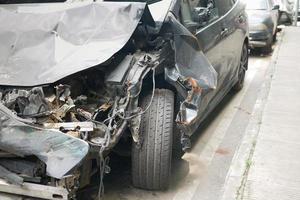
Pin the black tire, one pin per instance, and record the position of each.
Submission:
(275, 36)
(151, 163)
(268, 48)
(242, 69)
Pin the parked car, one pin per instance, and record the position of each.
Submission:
(285, 11)
(77, 80)
(263, 20)
(299, 12)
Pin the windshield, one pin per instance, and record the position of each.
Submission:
(257, 5)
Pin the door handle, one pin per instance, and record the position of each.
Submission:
(241, 19)
(224, 32)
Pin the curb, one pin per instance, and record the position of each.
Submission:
(237, 175)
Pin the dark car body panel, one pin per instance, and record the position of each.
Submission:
(262, 25)
(230, 32)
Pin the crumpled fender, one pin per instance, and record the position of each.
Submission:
(60, 152)
(193, 75)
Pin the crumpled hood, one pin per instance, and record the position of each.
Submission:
(41, 44)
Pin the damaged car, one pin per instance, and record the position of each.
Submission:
(78, 79)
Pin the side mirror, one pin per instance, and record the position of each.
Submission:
(276, 7)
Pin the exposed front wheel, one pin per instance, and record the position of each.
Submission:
(151, 162)
(242, 69)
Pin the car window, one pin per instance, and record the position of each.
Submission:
(224, 6)
(196, 14)
(208, 4)
(257, 5)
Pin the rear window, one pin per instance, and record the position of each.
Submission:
(257, 5)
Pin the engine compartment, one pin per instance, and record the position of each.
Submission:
(83, 90)
(77, 106)
(92, 108)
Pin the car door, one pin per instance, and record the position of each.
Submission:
(218, 43)
(228, 42)
(212, 33)
(233, 23)
(221, 43)
(208, 34)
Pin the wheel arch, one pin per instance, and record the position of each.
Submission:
(160, 83)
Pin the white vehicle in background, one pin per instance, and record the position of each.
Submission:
(286, 11)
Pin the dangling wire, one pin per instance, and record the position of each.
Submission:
(102, 168)
(104, 161)
(144, 111)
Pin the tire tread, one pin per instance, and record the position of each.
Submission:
(151, 164)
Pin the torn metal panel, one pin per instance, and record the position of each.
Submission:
(192, 63)
(71, 126)
(58, 151)
(26, 168)
(136, 75)
(39, 46)
(33, 190)
(10, 176)
(117, 76)
(193, 75)
(29, 103)
(5, 196)
(145, 63)
(189, 59)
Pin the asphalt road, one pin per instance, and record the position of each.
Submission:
(202, 172)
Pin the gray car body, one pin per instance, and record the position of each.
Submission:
(286, 11)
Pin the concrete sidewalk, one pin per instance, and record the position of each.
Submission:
(267, 164)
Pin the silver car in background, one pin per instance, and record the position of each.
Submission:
(263, 20)
(285, 11)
